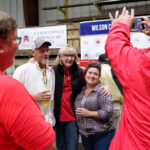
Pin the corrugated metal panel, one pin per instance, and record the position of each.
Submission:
(19, 12)
(13, 8)
(84, 11)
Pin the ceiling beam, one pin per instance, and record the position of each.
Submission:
(101, 3)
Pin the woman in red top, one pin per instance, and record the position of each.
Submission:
(69, 82)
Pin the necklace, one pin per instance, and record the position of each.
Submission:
(68, 75)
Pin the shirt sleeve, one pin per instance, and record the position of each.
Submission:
(121, 52)
(106, 107)
(22, 118)
(19, 74)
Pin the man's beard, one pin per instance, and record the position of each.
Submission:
(45, 62)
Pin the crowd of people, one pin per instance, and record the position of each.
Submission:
(67, 100)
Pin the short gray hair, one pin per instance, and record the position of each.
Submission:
(64, 49)
(7, 23)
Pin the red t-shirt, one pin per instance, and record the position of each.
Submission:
(22, 125)
(66, 109)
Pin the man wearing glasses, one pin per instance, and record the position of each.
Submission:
(22, 126)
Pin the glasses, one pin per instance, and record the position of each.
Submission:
(71, 56)
(17, 39)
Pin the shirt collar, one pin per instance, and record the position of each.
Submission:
(96, 87)
(47, 66)
(66, 71)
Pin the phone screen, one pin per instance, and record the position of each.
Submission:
(137, 24)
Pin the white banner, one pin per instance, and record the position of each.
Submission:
(57, 35)
(140, 40)
(92, 46)
(94, 34)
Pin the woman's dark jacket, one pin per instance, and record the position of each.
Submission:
(76, 83)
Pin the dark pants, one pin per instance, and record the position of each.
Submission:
(97, 142)
(67, 135)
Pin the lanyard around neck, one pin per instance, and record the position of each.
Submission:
(44, 78)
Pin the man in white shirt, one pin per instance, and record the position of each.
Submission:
(39, 78)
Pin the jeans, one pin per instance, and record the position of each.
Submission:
(67, 135)
(97, 142)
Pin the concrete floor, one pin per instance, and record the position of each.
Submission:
(80, 147)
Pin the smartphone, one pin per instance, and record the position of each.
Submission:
(137, 24)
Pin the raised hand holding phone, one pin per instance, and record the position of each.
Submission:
(137, 24)
(146, 23)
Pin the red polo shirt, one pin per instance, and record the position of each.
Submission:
(66, 109)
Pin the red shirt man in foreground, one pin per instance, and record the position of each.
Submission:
(132, 67)
(22, 125)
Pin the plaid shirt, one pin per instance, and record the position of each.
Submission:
(95, 102)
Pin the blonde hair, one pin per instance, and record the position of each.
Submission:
(64, 49)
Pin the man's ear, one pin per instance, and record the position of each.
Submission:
(33, 52)
(1, 50)
(1, 47)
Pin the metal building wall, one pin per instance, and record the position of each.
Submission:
(13, 8)
(49, 17)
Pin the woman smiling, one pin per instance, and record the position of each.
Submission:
(69, 80)
(94, 112)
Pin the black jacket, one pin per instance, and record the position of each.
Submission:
(117, 81)
(76, 83)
